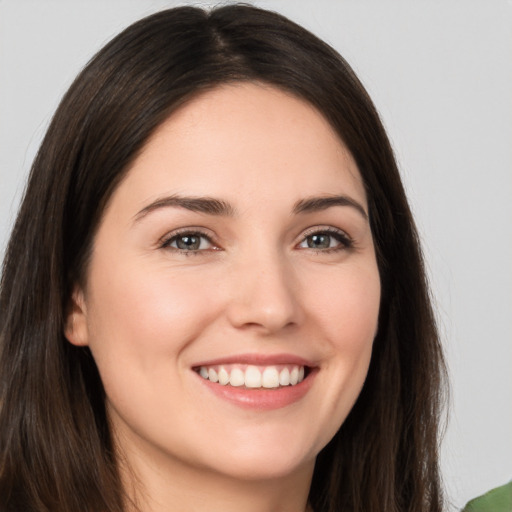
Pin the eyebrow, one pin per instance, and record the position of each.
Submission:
(315, 204)
(207, 205)
(218, 207)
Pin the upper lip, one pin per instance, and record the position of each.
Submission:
(258, 360)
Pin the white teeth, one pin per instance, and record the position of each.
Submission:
(270, 377)
(223, 376)
(237, 377)
(254, 377)
(284, 377)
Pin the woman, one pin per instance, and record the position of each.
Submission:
(213, 296)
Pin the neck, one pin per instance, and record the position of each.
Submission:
(170, 486)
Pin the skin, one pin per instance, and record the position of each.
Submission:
(150, 312)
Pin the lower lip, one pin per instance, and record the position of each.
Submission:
(261, 398)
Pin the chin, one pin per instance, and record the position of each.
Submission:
(258, 459)
(276, 467)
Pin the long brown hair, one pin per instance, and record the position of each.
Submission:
(56, 451)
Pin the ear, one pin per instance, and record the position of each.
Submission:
(75, 326)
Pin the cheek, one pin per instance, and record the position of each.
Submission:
(346, 304)
(142, 319)
(347, 315)
(144, 312)
(343, 302)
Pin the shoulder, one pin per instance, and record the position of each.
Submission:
(496, 500)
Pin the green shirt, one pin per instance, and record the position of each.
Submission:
(497, 500)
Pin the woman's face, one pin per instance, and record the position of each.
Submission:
(232, 295)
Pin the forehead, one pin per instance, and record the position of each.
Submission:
(238, 139)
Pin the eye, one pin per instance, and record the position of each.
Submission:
(188, 241)
(326, 240)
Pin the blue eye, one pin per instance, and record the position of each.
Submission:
(188, 242)
(326, 240)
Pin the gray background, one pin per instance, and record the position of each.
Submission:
(440, 72)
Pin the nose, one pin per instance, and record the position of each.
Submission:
(264, 294)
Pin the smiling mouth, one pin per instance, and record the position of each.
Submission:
(253, 376)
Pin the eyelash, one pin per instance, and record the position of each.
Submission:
(345, 242)
(172, 237)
